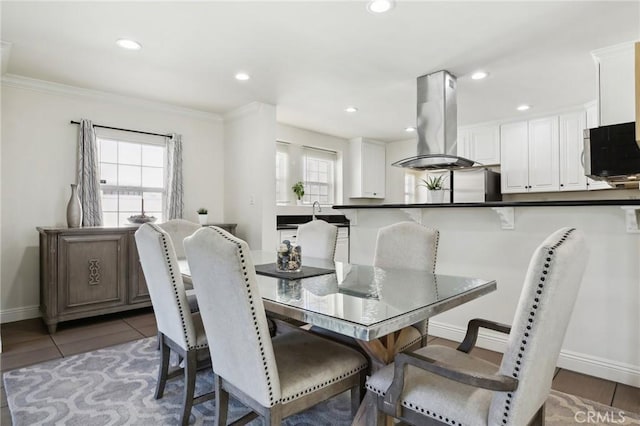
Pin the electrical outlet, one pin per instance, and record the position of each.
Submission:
(252, 201)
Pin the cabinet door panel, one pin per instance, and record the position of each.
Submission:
(91, 272)
(514, 157)
(373, 170)
(544, 155)
(484, 145)
(572, 177)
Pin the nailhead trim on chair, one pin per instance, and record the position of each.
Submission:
(532, 313)
(163, 237)
(422, 410)
(272, 401)
(324, 384)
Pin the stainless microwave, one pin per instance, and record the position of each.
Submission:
(611, 152)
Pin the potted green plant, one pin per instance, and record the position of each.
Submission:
(203, 214)
(435, 188)
(298, 189)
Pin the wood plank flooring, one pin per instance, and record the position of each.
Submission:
(27, 342)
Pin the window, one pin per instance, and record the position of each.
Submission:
(131, 176)
(282, 173)
(319, 175)
(410, 187)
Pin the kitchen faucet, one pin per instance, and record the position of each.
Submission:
(313, 213)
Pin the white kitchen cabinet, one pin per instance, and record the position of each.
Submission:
(544, 162)
(616, 82)
(480, 144)
(368, 168)
(342, 246)
(530, 156)
(571, 126)
(514, 157)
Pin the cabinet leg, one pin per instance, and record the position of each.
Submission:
(52, 327)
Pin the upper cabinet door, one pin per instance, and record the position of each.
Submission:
(572, 177)
(368, 168)
(514, 157)
(463, 143)
(544, 160)
(484, 144)
(373, 169)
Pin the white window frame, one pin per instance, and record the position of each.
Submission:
(319, 155)
(129, 189)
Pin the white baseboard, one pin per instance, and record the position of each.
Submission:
(574, 361)
(19, 314)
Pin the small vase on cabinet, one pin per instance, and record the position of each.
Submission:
(74, 209)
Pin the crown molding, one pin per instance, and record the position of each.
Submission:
(20, 82)
(240, 112)
(613, 50)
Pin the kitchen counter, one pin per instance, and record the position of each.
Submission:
(293, 221)
(496, 242)
(568, 203)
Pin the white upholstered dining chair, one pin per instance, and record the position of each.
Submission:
(408, 245)
(179, 329)
(317, 239)
(178, 230)
(274, 377)
(442, 385)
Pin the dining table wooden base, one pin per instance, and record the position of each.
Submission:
(381, 352)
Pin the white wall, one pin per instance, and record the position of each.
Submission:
(250, 180)
(39, 163)
(299, 137)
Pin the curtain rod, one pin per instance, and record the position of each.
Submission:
(126, 130)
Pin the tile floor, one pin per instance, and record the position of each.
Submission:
(27, 342)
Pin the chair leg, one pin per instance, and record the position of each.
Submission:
(222, 402)
(190, 369)
(538, 418)
(275, 416)
(163, 368)
(358, 393)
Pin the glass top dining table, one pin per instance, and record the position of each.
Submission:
(361, 301)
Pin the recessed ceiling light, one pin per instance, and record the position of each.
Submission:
(242, 76)
(380, 6)
(410, 129)
(523, 107)
(128, 44)
(479, 75)
(351, 109)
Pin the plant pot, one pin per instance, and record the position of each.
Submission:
(202, 218)
(298, 202)
(435, 196)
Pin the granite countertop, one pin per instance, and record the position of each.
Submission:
(293, 221)
(625, 202)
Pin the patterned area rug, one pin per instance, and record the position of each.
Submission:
(115, 386)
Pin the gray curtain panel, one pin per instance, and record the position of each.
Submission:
(89, 175)
(173, 204)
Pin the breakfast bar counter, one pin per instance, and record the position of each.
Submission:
(496, 239)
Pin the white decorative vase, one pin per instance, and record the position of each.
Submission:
(202, 218)
(74, 209)
(435, 196)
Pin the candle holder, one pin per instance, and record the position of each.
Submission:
(289, 257)
(141, 218)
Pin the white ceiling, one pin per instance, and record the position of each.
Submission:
(312, 59)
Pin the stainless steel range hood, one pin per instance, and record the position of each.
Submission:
(437, 125)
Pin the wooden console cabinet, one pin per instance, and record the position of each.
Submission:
(90, 271)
